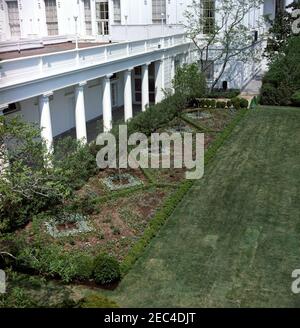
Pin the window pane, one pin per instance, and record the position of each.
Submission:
(159, 11)
(13, 17)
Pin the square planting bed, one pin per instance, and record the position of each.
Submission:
(68, 225)
(121, 181)
(199, 115)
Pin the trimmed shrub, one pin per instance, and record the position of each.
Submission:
(244, 103)
(106, 269)
(220, 93)
(236, 103)
(229, 104)
(220, 104)
(296, 98)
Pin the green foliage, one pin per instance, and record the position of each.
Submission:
(27, 186)
(236, 103)
(229, 104)
(98, 301)
(244, 103)
(283, 78)
(189, 82)
(221, 104)
(54, 261)
(155, 116)
(280, 31)
(24, 291)
(106, 269)
(296, 98)
(73, 162)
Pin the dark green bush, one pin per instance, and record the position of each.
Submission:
(244, 103)
(296, 98)
(106, 269)
(236, 103)
(229, 104)
(220, 104)
(283, 78)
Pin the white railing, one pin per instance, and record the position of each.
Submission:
(28, 68)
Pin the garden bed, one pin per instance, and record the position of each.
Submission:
(211, 119)
(97, 186)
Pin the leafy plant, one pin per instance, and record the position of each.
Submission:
(189, 82)
(282, 80)
(296, 98)
(106, 269)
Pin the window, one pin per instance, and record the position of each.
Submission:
(159, 11)
(117, 11)
(209, 13)
(13, 18)
(51, 17)
(102, 17)
(88, 17)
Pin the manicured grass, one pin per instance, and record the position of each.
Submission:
(234, 240)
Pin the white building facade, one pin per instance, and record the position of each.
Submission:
(65, 90)
(97, 19)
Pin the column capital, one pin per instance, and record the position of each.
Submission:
(81, 84)
(108, 76)
(147, 64)
(129, 69)
(47, 94)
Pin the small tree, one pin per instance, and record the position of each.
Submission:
(189, 82)
(219, 32)
(280, 31)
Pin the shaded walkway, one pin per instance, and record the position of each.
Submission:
(95, 126)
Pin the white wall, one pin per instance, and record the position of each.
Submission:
(138, 12)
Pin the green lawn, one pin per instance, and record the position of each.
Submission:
(235, 238)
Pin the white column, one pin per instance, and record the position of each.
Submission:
(107, 108)
(173, 72)
(80, 112)
(45, 121)
(145, 86)
(127, 95)
(159, 67)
